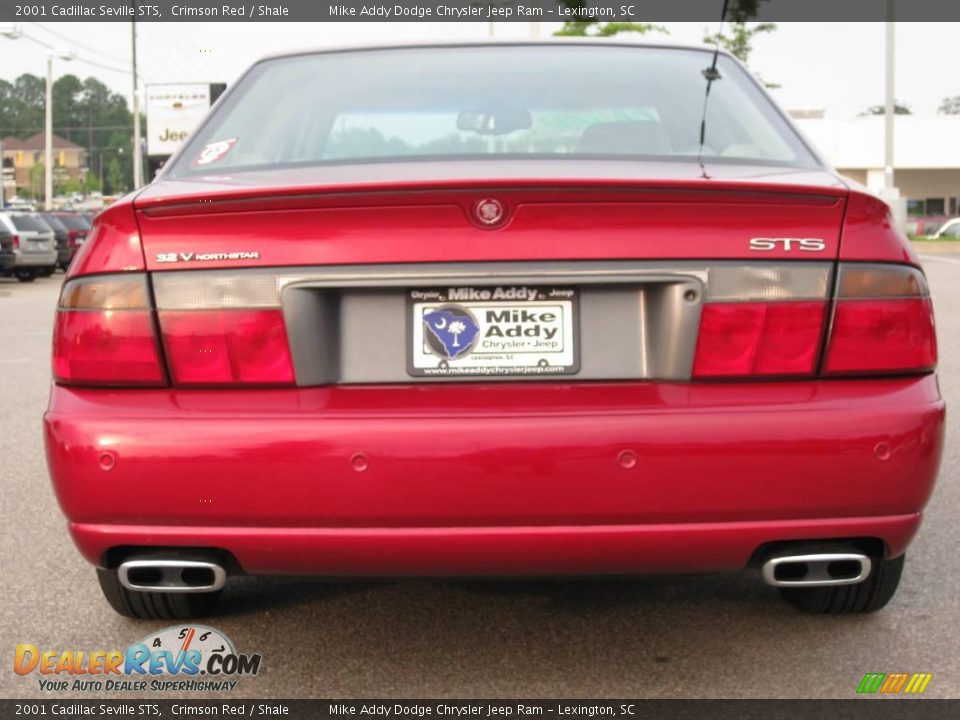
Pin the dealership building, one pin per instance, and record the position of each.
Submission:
(926, 155)
(23, 163)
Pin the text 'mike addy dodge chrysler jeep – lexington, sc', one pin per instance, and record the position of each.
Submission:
(495, 310)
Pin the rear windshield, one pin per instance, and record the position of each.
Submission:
(491, 101)
(54, 223)
(74, 222)
(29, 223)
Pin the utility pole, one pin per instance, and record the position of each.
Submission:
(888, 109)
(890, 193)
(137, 155)
(48, 140)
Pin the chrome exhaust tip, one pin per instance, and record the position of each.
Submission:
(816, 570)
(180, 576)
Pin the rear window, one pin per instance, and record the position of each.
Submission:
(54, 223)
(488, 102)
(74, 222)
(29, 223)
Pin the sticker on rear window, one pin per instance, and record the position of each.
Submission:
(214, 151)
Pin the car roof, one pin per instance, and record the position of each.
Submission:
(546, 42)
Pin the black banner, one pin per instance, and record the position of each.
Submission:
(874, 709)
(468, 10)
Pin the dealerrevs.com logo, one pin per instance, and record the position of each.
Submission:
(175, 659)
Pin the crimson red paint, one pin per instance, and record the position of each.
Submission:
(768, 461)
(488, 477)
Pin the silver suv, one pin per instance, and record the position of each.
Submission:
(32, 245)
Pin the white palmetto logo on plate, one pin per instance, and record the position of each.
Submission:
(456, 329)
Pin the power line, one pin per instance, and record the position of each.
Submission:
(73, 41)
(77, 58)
(70, 128)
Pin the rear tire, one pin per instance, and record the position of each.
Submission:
(865, 597)
(154, 605)
(25, 275)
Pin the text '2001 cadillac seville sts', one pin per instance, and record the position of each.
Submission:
(495, 310)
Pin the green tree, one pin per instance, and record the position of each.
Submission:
(85, 112)
(22, 106)
(68, 186)
(591, 27)
(737, 34)
(116, 179)
(950, 106)
(899, 108)
(91, 183)
(37, 180)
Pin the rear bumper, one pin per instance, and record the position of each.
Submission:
(495, 551)
(46, 258)
(494, 479)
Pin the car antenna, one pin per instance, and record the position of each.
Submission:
(711, 73)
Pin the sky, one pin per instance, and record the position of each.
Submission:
(834, 66)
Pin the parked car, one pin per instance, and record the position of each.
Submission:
(949, 231)
(494, 310)
(33, 245)
(62, 237)
(7, 255)
(78, 227)
(924, 226)
(19, 205)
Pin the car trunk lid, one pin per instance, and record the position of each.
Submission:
(552, 211)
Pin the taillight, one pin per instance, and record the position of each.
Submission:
(762, 321)
(16, 242)
(742, 339)
(882, 323)
(104, 333)
(223, 330)
(227, 347)
(770, 321)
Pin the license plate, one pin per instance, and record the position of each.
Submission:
(492, 331)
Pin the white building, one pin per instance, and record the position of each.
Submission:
(926, 156)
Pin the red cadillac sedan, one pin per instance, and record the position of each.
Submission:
(495, 310)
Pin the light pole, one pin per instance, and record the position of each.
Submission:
(48, 133)
(11, 32)
(888, 107)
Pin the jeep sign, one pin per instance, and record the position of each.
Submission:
(173, 111)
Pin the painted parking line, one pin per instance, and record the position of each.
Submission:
(941, 258)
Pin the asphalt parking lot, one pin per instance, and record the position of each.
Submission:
(704, 636)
